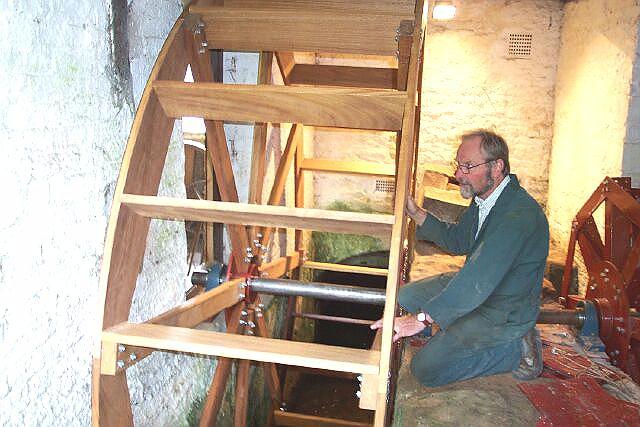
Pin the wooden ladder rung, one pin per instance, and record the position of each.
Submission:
(345, 268)
(360, 108)
(246, 347)
(301, 29)
(262, 215)
(348, 166)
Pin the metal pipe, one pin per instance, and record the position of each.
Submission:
(561, 316)
(325, 291)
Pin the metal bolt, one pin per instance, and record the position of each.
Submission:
(242, 322)
(251, 324)
(250, 332)
(261, 305)
(121, 348)
(619, 329)
(606, 280)
(204, 44)
(259, 314)
(197, 31)
(606, 270)
(359, 378)
(120, 364)
(202, 51)
(244, 312)
(133, 356)
(259, 235)
(358, 394)
(247, 260)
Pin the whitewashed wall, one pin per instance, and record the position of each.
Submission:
(470, 82)
(596, 110)
(65, 116)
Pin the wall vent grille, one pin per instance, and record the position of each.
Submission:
(519, 45)
(385, 186)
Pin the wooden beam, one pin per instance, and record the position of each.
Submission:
(369, 382)
(359, 167)
(292, 419)
(124, 251)
(242, 393)
(281, 266)
(335, 75)
(284, 165)
(376, 109)
(271, 216)
(353, 6)
(301, 30)
(405, 156)
(186, 340)
(258, 156)
(345, 268)
(286, 62)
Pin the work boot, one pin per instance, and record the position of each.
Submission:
(530, 366)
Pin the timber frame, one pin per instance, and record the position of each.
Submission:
(332, 96)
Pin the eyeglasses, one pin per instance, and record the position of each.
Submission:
(466, 169)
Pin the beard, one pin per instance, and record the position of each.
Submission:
(467, 190)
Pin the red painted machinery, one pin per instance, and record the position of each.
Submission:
(612, 264)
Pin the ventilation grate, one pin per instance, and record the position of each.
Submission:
(519, 45)
(385, 186)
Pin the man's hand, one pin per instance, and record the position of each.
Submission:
(404, 326)
(415, 212)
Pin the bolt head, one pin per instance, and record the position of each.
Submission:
(133, 356)
(121, 348)
(358, 394)
(120, 364)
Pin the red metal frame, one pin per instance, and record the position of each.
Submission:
(612, 265)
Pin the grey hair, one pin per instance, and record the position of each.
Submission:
(493, 145)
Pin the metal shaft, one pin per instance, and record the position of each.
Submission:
(358, 294)
(325, 291)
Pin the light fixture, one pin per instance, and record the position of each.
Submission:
(443, 11)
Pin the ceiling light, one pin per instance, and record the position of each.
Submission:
(443, 11)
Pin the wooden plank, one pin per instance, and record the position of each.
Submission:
(335, 75)
(369, 382)
(271, 216)
(281, 266)
(204, 306)
(292, 419)
(405, 159)
(244, 347)
(345, 268)
(360, 6)
(301, 30)
(348, 166)
(376, 109)
(449, 196)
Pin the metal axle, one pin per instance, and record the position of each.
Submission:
(325, 291)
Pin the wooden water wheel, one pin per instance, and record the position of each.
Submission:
(378, 99)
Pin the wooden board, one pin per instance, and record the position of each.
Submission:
(271, 216)
(375, 109)
(334, 75)
(301, 30)
(359, 167)
(291, 419)
(354, 6)
(241, 346)
(345, 268)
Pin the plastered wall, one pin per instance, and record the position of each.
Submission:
(470, 82)
(596, 108)
(70, 85)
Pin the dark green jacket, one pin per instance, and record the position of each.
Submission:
(496, 295)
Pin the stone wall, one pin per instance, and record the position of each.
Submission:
(596, 110)
(470, 81)
(72, 74)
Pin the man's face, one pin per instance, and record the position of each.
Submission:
(479, 181)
